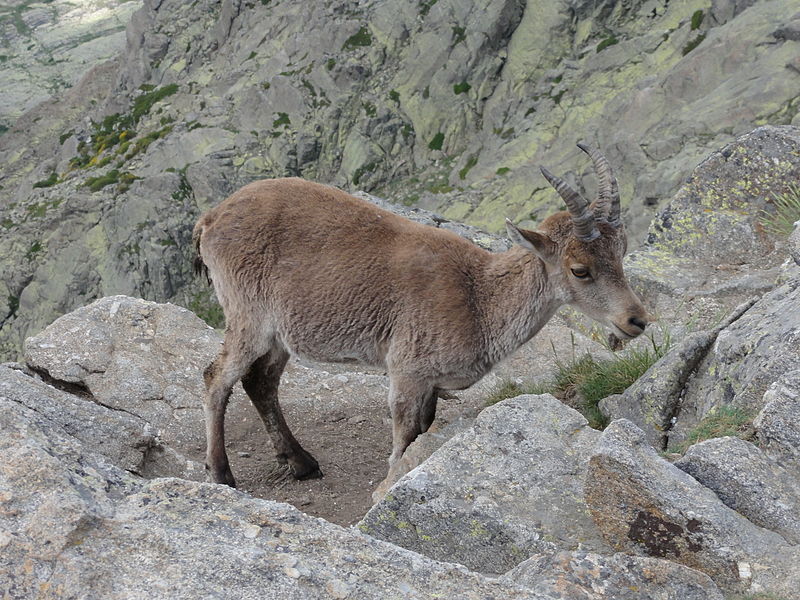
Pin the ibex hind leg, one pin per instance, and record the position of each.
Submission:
(413, 404)
(220, 377)
(261, 384)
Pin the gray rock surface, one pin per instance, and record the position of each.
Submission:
(584, 575)
(777, 425)
(47, 46)
(73, 525)
(794, 243)
(747, 357)
(135, 356)
(645, 505)
(509, 487)
(126, 440)
(709, 239)
(746, 480)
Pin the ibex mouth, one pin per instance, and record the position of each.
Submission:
(622, 334)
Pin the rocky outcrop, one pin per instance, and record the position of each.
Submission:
(509, 487)
(73, 524)
(645, 505)
(584, 575)
(100, 200)
(746, 480)
(777, 426)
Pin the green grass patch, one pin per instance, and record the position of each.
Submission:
(425, 7)
(142, 104)
(502, 170)
(394, 96)
(51, 180)
(205, 306)
(583, 381)
(697, 19)
(436, 142)
(471, 162)
(693, 44)
(787, 212)
(282, 120)
(359, 39)
(609, 41)
(459, 34)
(461, 88)
(722, 422)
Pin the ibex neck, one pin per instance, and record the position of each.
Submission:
(520, 300)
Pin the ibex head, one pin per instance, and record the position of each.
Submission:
(582, 249)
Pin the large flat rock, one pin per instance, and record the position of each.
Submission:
(507, 488)
(647, 506)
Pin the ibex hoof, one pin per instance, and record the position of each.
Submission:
(223, 476)
(304, 466)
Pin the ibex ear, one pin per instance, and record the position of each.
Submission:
(538, 243)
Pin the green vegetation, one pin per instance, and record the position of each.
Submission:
(282, 120)
(363, 170)
(471, 162)
(609, 41)
(370, 109)
(252, 55)
(330, 63)
(51, 180)
(361, 38)
(724, 421)
(37, 210)
(65, 136)
(142, 104)
(205, 306)
(584, 381)
(436, 142)
(13, 305)
(459, 34)
(394, 96)
(693, 44)
(425, 7)
(697, 19)
(787, 212)
(35, 248)
(461, 88)
(124, 180)
(502, 170)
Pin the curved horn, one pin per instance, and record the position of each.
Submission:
(607, 204)
(583, 219)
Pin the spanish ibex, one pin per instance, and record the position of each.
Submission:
(305, 269)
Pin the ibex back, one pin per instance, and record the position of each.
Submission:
(305, 269)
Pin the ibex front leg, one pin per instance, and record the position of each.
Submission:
(412, 411)
(261, 384)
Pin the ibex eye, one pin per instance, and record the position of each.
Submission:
(580, 273)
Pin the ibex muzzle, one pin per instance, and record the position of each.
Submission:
(308, 270)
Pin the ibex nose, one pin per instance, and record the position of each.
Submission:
(638, 323)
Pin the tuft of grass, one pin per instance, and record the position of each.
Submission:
(697, 19)
(502, 170)
(282, 120)
(693, 44)
(204, 304)
(471, 162)
(787, 212)
(722, 422)
(360, 38)
(461, 88)
(436, 142)
(51, 180)
(459, 34)
(609, 41)
(584, 381)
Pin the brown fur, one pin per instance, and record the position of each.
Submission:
(305, 269)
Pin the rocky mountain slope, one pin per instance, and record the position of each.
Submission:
(46, 47)
(445, 104)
